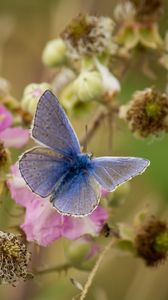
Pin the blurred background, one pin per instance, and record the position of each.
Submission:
(25, 27)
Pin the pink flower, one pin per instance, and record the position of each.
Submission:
(43, 223)
(82, 253)
(11, 137)
(5, 118)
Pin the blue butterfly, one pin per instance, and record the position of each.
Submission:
(58, 169)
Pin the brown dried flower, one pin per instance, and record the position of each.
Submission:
(4, 160)
(3, 155)
(147, 10)
(14, 258)
(89, 35)
(147, 113)
(151, 242)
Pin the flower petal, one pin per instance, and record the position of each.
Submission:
(92, 224)
(47, 229)
(14, 137)
(5, 118)
(18, 188)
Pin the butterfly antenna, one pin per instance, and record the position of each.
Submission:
(86, 132)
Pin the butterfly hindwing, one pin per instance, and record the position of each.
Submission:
(41, 168)
(77, 195)
(110, 172)
(52, 128)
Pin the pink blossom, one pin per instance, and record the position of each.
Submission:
(5, 118)
(11, 137)
(43, 223)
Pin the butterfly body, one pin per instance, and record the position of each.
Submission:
(58, 169)
(80, 162)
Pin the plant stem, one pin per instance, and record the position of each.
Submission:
(94, 270)
(102, 114)
(95, 125)
(63, 267)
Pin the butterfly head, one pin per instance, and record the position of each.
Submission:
(90, 155)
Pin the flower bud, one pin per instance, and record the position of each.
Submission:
(88, 86)
(54, 53)
(4, 87)
(62, 80)
(5, 96)
(68, 98)
(111, 85)
(82, 254)
(31, 96)
(125, 243)
(164, 56)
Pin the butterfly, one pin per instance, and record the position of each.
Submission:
(59, 169)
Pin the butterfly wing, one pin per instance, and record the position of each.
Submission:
(77, 195)
(41, 168)
(52, 127)
(110, 172)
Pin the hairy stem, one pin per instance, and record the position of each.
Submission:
(94, 270)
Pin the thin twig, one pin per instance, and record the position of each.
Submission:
(94, 270)
(60, 268)
(96, 123)
(102, 114)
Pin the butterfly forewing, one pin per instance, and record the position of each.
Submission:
(41, 168)
(110, 172)
(52, 127)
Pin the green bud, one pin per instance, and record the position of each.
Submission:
(54, 53)
(31, 96)
(88, 86)
(81, 255)
(77, 252)
(68, 98)
(126, 232)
